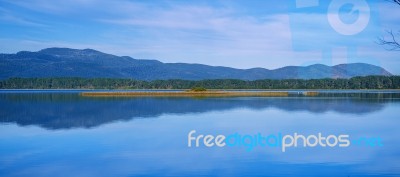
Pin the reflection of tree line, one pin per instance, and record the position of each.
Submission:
(57, 111)
(365, 95)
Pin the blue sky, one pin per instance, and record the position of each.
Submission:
(240, 34)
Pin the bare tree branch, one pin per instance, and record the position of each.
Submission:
(394, 1)
(391, 44)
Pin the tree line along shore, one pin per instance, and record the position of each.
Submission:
(366, 82)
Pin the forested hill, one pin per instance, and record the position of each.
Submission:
(88, 63)
(367, 82)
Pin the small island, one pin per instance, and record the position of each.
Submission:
(193, 92)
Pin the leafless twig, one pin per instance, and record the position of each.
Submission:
(391, 44)
(394, 1)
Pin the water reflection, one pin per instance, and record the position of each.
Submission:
(152, 138)
(69, 110)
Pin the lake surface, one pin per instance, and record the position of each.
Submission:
(59, 133)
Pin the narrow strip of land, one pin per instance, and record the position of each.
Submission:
(185, 94)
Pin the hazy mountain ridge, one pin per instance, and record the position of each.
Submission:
(89, 63)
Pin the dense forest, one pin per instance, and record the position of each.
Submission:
(367, 82)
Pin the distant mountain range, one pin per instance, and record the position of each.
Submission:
(88, 63)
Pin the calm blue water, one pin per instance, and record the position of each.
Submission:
(59, 133)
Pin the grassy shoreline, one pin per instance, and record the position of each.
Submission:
(185, 94)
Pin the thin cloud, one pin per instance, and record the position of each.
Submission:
(8, 17)
(195, 32)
